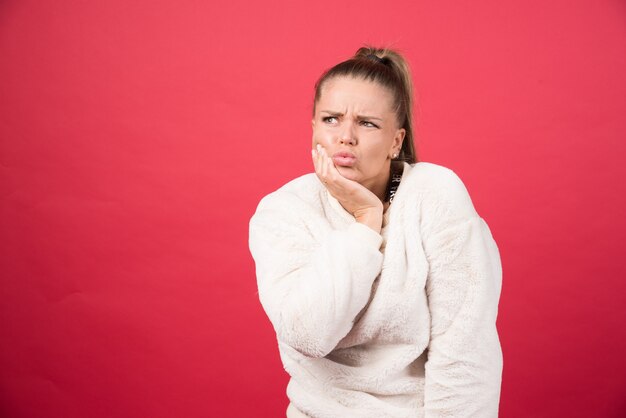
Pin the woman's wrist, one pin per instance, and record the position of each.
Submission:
(372, 217)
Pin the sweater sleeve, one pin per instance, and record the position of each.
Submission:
(312, 280)
(464, 364)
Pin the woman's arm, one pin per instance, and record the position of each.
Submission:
(311, 286)
(464, 365)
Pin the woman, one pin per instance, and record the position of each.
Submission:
(380, 279)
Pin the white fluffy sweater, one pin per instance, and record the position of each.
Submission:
(396, 324)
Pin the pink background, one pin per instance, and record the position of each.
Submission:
(137, 138)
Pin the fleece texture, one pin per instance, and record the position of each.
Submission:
(396, 324)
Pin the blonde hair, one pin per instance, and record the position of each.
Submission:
(389, 69)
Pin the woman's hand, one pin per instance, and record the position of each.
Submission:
(357, 199)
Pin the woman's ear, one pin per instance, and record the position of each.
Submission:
(398, 139)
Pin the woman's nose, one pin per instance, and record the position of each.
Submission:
(347, 140)
(347, 137)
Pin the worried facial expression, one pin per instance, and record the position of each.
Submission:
(355, 122)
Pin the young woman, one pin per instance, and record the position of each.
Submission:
(379, 277)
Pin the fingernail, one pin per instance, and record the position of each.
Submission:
(318, 147)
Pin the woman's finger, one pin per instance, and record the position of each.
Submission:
(323, 170)
(331, 171)
(316, 160)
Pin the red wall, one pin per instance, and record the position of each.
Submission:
(137, 138)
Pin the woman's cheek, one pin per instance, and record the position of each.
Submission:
(321, 137)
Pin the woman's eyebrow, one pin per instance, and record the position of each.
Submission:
(369, 117)
(333, 113)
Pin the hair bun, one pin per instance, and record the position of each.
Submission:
(376, 58)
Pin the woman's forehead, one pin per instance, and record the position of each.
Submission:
(355, 92)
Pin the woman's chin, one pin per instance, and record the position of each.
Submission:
(348, 172)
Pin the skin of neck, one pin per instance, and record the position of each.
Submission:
(379, 187)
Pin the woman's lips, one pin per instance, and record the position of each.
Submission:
(345, 159)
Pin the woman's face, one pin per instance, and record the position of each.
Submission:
(355, 122)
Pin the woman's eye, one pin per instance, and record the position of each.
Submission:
(329, 119)
(369, 124)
